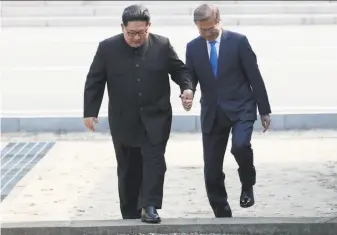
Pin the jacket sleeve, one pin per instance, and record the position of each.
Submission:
(178, 70)
(252, 73)
(190, 67)
(95, 85)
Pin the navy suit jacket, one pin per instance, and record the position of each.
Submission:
(239, 88)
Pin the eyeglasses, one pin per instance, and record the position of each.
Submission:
(208, 30)
(134, 33)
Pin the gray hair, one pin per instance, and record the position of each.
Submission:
(206, 12)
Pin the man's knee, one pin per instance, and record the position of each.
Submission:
(243, 154)
(241, 149)
(154, 158)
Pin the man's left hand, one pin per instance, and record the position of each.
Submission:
(265, 121)
(187, 99)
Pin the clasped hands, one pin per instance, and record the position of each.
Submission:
(187, 99)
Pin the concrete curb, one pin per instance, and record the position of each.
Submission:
(262, 226)
(181, 123)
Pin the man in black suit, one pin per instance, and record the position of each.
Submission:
(136, 65)
(225, 66)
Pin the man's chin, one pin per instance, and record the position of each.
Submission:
(136, 45)
(210, 38)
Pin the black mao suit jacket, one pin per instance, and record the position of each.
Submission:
(138, 87)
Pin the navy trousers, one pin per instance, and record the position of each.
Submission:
(215, 144)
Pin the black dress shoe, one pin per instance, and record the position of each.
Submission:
(223, 212)
(150, 215)
(247, 198)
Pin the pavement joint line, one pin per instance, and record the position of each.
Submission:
(330, 219)
(170, 221)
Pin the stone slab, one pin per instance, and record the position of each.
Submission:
(109, 3)
(332, 220)
(180, 123)
(116, 3)
(262, 226)
(77, 179)
(172, 9)
(10, 124)
(26, 54)
(58, 60)
(22, 3)
(229, 20)
(304, 135)
(3, 144)
(45, 11)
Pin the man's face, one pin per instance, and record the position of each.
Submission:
(136, 33)
(209, 29)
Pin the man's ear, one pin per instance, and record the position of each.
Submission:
(122, 27)
(149, 24)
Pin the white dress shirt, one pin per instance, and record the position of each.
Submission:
(217, 45)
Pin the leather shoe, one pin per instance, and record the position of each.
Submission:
(150, 215)
(247, 198)
(223, 212)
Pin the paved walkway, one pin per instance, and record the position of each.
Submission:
(298, 63)
(297, 176)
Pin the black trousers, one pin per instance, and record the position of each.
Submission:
(215, 144)
(141, 171)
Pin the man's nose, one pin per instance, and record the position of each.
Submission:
(137, 37)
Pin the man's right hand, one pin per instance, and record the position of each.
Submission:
(89, 122)
(187, 99)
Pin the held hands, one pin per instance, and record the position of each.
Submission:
(187, 99)
(89, 122)
(265, 121)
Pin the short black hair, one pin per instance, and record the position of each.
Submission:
(136, 12)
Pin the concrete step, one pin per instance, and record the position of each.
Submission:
(148, 3)
(248, 226)
(168, 20)
(169, 9)
(106, 13)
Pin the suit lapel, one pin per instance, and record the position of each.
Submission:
(205, 57)
(224, 47)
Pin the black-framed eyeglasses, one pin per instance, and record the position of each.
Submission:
(134, 33)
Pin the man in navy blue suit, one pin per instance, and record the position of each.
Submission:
(232, 89)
